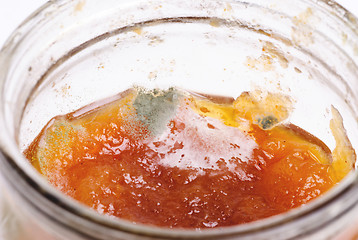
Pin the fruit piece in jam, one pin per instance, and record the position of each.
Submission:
(179, 159)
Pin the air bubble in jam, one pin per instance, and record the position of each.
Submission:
(180, 159)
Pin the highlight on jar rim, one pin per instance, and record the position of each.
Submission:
(180, 120)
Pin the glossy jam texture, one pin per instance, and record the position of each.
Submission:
(179, 159)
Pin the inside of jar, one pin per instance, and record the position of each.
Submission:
(224, 86)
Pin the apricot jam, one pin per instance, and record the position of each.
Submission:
(184, 160)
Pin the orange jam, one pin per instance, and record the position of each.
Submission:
(184, 160)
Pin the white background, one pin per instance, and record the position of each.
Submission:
(13, 12)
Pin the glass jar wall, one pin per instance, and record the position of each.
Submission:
(71, 53)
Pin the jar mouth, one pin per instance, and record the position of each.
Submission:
(12, 158)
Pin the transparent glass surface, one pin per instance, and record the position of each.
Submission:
(72, 53)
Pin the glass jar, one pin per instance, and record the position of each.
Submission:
(71, 53)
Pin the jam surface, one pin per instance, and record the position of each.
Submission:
(184, 160)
